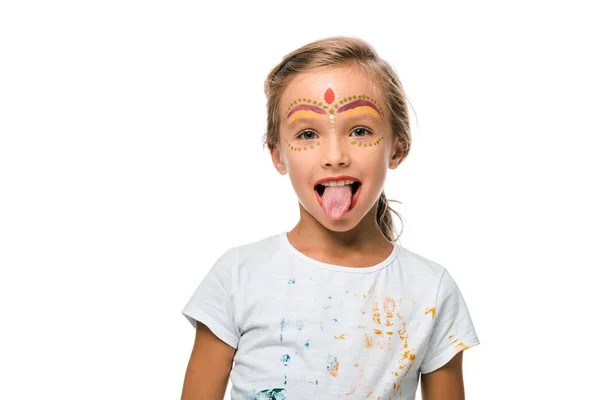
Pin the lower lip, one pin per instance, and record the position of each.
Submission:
(352, 204)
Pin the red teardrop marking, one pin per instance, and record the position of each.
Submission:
(329, 96)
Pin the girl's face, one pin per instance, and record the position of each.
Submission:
(334, 124)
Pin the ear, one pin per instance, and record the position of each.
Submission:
(398, 153)
(278, 160)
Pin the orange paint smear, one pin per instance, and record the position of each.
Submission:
(460, 347)
(376, 315)
(389, 305)
(432, 311)
(335, 368)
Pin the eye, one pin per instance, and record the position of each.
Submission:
(365, 130)
(307, 132)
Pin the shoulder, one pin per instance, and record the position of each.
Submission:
(417, 266)
(259, 252)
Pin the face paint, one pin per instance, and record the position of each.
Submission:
(354, 143)
(360, 105)
(352, 102)
(327, 105)
(369, 144)
(301, 148)
(306, 108)
(303, 113)
(329, 97)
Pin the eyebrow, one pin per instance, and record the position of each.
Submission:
(358, 103)
(308, 107)
(365, 114)
(301, 120)
(359, 115)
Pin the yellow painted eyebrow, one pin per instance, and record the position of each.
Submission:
(362, 109)
(305, 114)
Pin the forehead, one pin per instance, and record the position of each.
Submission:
(345, 81)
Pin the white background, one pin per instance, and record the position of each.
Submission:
(131, 158)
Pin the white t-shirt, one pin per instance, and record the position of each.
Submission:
(304, 329)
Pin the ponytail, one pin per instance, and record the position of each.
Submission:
(384, 218)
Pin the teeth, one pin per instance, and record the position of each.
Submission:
(338, 183)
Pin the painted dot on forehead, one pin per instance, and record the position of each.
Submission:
(329, 95)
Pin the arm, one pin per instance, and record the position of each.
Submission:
(209, 367)
(445, 383)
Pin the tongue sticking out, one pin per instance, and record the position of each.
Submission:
(336, 200)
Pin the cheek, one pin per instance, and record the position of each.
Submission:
(301, 160)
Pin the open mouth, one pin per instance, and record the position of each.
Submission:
(321, 189)
(335, 204)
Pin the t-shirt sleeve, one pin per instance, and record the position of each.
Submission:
(452, 330)
(213, 302)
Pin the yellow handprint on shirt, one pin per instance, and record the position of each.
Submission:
(382, 333)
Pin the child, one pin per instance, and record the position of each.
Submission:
(335, 307)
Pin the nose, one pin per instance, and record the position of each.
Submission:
(335, 152)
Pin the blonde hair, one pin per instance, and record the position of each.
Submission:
(342, 51)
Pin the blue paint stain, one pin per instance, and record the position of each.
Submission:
(285, 359)
(270, 394)
(292, 281)
(281, 330)
(335, 320)
(321, 325)
(329, 297)
(299, 325)
(332, 362)
(285, 379)
(346, 292)
(300, 350)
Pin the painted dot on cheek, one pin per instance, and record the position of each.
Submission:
(312, 147)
